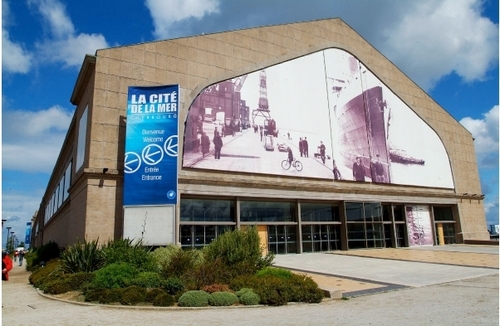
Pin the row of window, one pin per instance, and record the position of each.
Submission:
(368, 225)
(59, 195)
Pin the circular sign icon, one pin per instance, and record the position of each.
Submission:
(171, 194)
(132, 162)
(171, 145)
(152, 154)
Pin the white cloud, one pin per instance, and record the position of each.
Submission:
(72, 49)
(54, 12)
(32, 140)
(485, 131)
(15, 59)
(437, 38)
(65, 46)
(167, 12)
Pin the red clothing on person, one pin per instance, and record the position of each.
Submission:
(6, 266)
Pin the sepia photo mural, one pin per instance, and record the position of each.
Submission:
(324, 115)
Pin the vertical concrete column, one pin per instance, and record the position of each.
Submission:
(299, 227)
(440, 233)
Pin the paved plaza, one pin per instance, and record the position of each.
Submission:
(441, 285)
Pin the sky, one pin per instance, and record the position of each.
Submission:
(448, 47)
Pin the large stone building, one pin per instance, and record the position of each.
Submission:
(380, 163)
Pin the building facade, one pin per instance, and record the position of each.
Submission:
(326, 146)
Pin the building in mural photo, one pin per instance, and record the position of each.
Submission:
(312, 136)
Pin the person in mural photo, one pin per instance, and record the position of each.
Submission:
(322, 151)
(205, 144)
(358, 171)
(290, 155)
(217, 145)
(305, 147)
(301, 147)
(336, 172)
(378, 171)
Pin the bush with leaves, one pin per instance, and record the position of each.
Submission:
(46, 274)
(163, 300)
(194, 298)
(162, 255)
(82, 257)
(133, 295)
(282, 273)
(118, 275)
(180, 262)
(212, 288)
(109, 296)
(67, 282)
(222, 299)
(148, 280)
(130, 252)
(40, 254)
(239, 250)
(302, 288)
(207, 273)
(249, 298)
(152, 293)
(173, 285)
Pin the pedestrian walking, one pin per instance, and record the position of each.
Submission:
(6, 266)
(21, 257)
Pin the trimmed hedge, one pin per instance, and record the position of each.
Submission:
(222, 299)
(194, 299)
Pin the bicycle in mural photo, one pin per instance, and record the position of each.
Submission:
(285, 164)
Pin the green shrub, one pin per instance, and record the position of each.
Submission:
(147, 280)
(133, 295)
(271, 289)
(126, 251)
(67, 282)
(94, 295)
(162, 256)
(151, 294)
(82, 257)
(56, 287)
(40, 254)
(180, 262)
(207, 273)
(240, 250)
(242, 291)
(173, 285)
(114, 276)
(282, 273)
(194, 299)
(249, 298)
(215, 288)
(111, 296)
(46, 274)
(222, 299)
(302, 288)
(163, 300)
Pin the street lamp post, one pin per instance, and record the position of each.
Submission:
(7, 240)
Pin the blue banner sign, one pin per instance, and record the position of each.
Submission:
(151, 146)
(27, 238)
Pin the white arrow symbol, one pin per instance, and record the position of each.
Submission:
(148, 154)
(171, 145)
(129, 162)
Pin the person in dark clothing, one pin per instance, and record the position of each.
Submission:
(358, 171)
(205, 144)
(322, 151)
(336, 172)
(290, 155)
(217, 145)
(305, 147)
